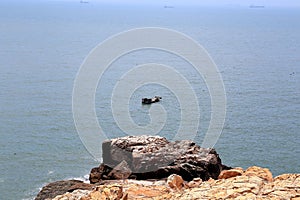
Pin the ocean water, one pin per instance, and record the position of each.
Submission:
(42, 45)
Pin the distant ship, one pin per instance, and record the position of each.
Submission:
(256, 6)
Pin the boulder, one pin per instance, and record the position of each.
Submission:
(154, 157)
(61, 187)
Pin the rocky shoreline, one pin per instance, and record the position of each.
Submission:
(151, 167)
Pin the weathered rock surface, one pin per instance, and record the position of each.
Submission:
(252, 185)
(154, 157)
(231, 173)
(263, 173)
(61, 187)
(150, 167)
(175, 181)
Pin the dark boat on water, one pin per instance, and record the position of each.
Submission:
(151, 100)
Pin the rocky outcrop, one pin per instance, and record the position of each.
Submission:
(253, 183)
(61, 187)
(154, 157)
(150, 167)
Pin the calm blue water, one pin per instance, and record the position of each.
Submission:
(42, 46)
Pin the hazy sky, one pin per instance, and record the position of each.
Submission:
(204, 2)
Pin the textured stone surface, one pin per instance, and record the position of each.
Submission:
(231, 173)
(195, 174)
(175, 182)
(60, 187)
(154, 157)
(76, 194)
(196, 182)
(246, 186)
(263, 173)
(108, 192)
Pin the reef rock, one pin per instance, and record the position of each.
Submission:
(154, 157)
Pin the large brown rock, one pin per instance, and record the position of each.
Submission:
(154, 157)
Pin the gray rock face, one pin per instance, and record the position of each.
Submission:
(154, 157)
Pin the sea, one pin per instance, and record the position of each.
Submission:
(43, 45)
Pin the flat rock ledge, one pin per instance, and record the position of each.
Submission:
(154, 157)
(253, 183)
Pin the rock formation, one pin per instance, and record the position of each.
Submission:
(150, 167)
(154, 157)
(61, 187)
(254, 183)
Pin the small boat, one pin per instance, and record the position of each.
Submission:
(151, 100)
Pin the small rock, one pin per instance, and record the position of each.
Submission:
(231, 173)
(196, 182)
(121, 171)
(175, 182)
